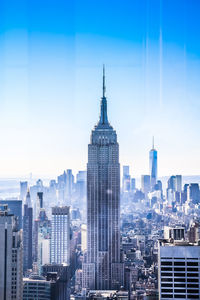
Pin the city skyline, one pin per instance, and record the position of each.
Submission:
(99, 156)
(50, 84)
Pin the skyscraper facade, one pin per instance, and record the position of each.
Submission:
(27, 234)
(23, 190)
(11, 261)
(178, 270)
(103, 269)
(15, 208)
(69, 186)
(145, 184)
(126, 180)
(153, 165)
(60, 235)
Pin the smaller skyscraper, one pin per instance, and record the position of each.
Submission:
(27, 234)
(133, 185)
(40, 198)
(60, 235)
(153, 165)
(11, 259)
(15, 208)
(81, 182)
(193, 193)
(83, 237)
(126, 180)
(69, 186)
(23, 190)
(145, 184)
(178, 183)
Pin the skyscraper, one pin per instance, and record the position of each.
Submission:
(179, 183)
(153, 165)
(145, 184)
(23, 190)
(15, 208)
(10, 257)
(60, 235)
(126, 180)
(69, 186)
(103, 268)
(27, 234)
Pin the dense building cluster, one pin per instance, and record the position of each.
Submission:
(99, 236)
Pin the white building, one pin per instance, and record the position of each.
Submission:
(179, 270)
(43, 251)
(60, 235)
(83, 237)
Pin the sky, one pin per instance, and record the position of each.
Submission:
(51, 57)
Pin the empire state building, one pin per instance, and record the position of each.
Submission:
(103, 268)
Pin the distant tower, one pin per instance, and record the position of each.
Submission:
(153, 165)
(145, 184)
(23, 190)
(27, 234)
(126, 180)
(69, 186)
(60, 235)
(103, 269)
(11, 260)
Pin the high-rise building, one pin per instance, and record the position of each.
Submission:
(179, 276)
(133, 185)
(27, 234)
(171, 183)
(83, 237)
(69, 186)
(103, 269)
(153, 165)
(60, 235)
(126, 179)
(11, 260)
(43, 251)
(81, 180)
(178, 183)
(23, 190)
(41, 240)
(15, 208)
(145, 184)
(193, 193)
(40, 199)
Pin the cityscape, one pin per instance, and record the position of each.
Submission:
(94, 237)
(117, 215)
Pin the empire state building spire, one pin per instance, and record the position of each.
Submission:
(103, 114)
(104, 88)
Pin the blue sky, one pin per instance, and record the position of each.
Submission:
(51, 56)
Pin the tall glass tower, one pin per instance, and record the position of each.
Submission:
(153, 165)
(103, 269)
